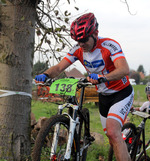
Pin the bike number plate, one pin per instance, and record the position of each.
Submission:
(64, 86)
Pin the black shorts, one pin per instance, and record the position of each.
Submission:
(105, 102)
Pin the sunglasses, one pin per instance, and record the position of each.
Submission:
(84, 40)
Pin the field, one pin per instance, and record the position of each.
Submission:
(96, 151)
(139, 94)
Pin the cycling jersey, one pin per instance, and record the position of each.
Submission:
(100, 60)
(145, 107)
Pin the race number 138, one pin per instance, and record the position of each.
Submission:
(64, 87)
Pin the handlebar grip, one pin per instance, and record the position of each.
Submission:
(84, 80)
(102, 80)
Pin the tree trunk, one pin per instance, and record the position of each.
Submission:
(16, 52)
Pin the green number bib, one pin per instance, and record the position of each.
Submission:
(64, 86)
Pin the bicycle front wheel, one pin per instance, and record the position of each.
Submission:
(52, 140)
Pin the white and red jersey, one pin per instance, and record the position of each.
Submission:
(101, 61)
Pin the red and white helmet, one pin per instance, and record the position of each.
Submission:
(83, 26)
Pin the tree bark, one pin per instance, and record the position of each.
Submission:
(16, 53)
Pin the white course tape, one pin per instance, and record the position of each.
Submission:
(8, 93)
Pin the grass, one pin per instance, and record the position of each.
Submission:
(43, 109)
(97, 152)
(139, 93)
(46, 109)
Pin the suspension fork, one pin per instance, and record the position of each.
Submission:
(72, 128)
(73, 122)
(56, 133)
(55, 140)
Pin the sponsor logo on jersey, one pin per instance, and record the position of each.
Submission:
(94, 64)
(110, 45)
(124, 80)
(75, 47)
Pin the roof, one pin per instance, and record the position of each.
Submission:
(74, 73)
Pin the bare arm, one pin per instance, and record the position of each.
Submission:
(55, 70)
(135, 108)
(122, 69)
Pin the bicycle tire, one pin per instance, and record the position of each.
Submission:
(42, 147)
(145, 159)
(131, 126)
(83, 139)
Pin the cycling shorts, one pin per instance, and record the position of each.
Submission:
(116, 106)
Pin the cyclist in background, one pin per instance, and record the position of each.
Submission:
(146, 105)
(107, 67)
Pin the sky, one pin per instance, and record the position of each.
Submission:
(132, 31)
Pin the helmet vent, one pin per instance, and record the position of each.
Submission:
(81, 29)
(89, 30)
(92, 21)
(82, 23)
(79, 35)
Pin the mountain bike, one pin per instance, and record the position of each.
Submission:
(66, 135)
(134, 137)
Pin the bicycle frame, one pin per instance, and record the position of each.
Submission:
(145, 145)
(141, 132)
(74, 125)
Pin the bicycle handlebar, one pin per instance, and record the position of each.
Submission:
(83, 82)
(140, 113)
(49, 81)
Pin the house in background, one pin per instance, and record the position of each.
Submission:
(74, 73)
